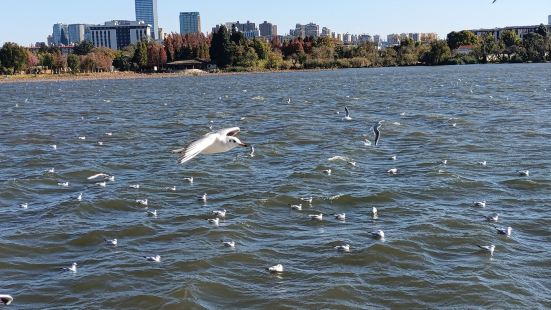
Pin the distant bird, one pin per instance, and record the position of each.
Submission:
(491, 218)
(142, 202)
(481, 204)
(393, 157)
(53, 146)
(341, 216)
(276, 268)
(374, 213)
(307, 199)
(136, 186)
(171, 188)
(108, 133)
(156, 258)
(24, 205)
(524, 173)
(63, 184)
(73, 268)
(204, 197)
(152, 213)
(377, 132)
(482, 163)
(229, 244)
(316, 217)
(343, 248)
(214, 221)
(379, 234)
(347, 114)
(51, 170)
(219, 213)
(494, 1)
(327, 171)
(101, 184)
(297, 207)
(288, 100)
(190, 179)
(392, 171)
(79, 197)
(6, 299)
(252, 151)
(82, 138)
(214, 142)
(445, 162)
(505, 231)
(100, 143)
(489, 248)
(111, 242)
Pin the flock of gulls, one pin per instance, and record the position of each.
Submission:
(227, 139)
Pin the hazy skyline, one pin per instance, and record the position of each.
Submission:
(26, 22)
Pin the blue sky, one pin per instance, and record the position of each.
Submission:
(28, 21)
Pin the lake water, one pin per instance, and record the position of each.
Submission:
(428, 259)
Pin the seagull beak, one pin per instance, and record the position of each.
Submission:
(243, 145)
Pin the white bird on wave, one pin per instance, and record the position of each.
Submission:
(219, 213)
(214, 142)
(343, 248)
(297, 207)
(111, 242)
(379, 234)
(6, 299)
(489, 248)
(276, 268)
(155, 259)
(72, 268)
(340, 216)
(347, 114)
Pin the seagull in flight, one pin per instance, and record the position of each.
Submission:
(6, 299)
(377, 132)
(347, 115)
(213, 142)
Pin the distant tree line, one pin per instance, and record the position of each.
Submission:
(231, 51)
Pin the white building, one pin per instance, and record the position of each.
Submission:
(118, 34)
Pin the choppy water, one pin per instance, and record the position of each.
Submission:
(428, 259)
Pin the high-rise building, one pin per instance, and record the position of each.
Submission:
(118, 34)
(190, 22)
(146, 10)
(60, 34)
(78, 32)
(267, 30)
(549, 20)
(325, 32)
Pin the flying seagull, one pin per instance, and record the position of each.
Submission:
(213, 142)
(347, 116)
(377, 132)
(494, 1)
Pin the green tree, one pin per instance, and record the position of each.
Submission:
(140, 55)
(83, 48)
(220, 50)
(73, 62)
(275, 61)
(13, 56)
(46, 60)
(248, 58)
(438, 54)
(535, 46)
(262, 48)
(511, 43)
(486, 48)
(464, 37)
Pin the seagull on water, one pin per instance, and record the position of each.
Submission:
(219, 213)
(204, 198)
(136, 186)
(379, 234)
(190, 179)
(229, 244)
(393, 157)
(63, 184)
(275, 268)
(252, 151)
(297, 207)
(82, 138)
(340, 216)
(152, 213)
(155, 259)
(102, 184)
(171, 188)
(110, 242)
(307, 199)
(51, 170)
(100, 143)
(211, 143)
(53, 146)
(6, 299)
(79, 197)
(489, 248)
(392, 171)
(482, 163)
(24, 205)
(347, 114)
(481, 204)
(504, 231)
(142, 202)
(343, 248)
(73, 268)
(491, 218)
(377, 132)
(105, 176)
(524, 173)
(444, 162)
(316, 217)
(109, 134)
(374, 213)
(327, 171)
(214, 221)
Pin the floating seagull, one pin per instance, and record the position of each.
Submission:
(173, 188)
(100, 143)
(252, 151)
(53, 146)
(374, 213)
(219, 213)
(504, 231)
(82, 138)
(524, 173)
(101, 184)
(392, 171)
(489, 248)
(275, 268)
(482, 163)
(379, 234)
(353, 163)
(327, 171)
(481, 204)
(51, 170)
(111, 242)
(214, 221)
(445, 162)
(229, 244)
(142, 202)
(136, 186)
(377, 132)
(6, 299)
(341, 216)
(24, 205)
(156, 258)
(367, 142)
(79, 197)
(347, 114)
(108, 133)
(73, 268)
(307, 199)
(190, 179)
(316, 217)
(393, 157)
(152, 213)
(211, 143)
(343, 248)
(296, 207)
(204, 198)
(63, 184)
(288, 100)
(491, 218)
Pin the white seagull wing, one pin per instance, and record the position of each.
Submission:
(195, 148)
(232, 131)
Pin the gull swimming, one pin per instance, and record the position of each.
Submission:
(327, 171)
(111, 242)
(100, 143)
(445, 162)
(152, 213)
(343, 248)
(379, 234)
(82, 138)
(214, 142)
(491, 218)
(142, 202)
(219, 213)
(136, 186)
(393, 157)
(482, 163)
(156, 258)
(6, 299)
(296, 207)
(505, 231)
(229, 244)
(101, 175)
(24, 205)
(204, 198)
(374, 213)
(316, 217)
(524, 173)
(51, 170)
(377, 132)
(63, 184)
(101, 184)
(214, 221)
(347, 114)
(252, 151)
(489, 248)
(481, 204)
(79, 197)
(392, 171)
(73, 268)
(190, 179)
(340, 216)
(307, 199)
(173, 188)
(108, 133)
(53, 146)
(275, 268)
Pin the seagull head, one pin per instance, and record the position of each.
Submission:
(235, 141)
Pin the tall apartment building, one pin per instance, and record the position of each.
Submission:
(78, 33)
(312, 30)
(190, 22)
(267, 30)
(325, 32)
(146, 10)
(60, 34)
(118, 34)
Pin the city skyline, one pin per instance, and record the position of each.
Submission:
(354, 17)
